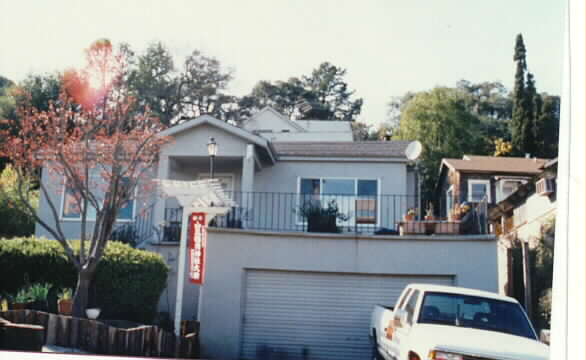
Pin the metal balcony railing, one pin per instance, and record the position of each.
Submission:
(331, 213)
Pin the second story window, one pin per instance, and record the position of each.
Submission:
(506, 187)
(477, 189)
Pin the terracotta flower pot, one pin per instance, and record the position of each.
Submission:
(429, 217)
(408, 217)
(65, 306)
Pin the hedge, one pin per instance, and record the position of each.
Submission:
(127, 284)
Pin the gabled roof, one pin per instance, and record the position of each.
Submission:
(493, 164)
(210, 120)
(377, 149)
(268, 109)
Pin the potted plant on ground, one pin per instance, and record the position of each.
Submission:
(20, 300)
(38, 294)
(65, 302)
(320, 219)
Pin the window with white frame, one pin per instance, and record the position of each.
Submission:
(71, 209)
(508, 186)
(477, 189)
(449, 199)
(357, 197)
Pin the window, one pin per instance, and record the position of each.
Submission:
(477, 189)
(449, 199)
(410, 306)
(71, 210)
(507, 187)
(475, 312)
(357, 197)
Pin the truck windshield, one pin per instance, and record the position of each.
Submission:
(475, 312)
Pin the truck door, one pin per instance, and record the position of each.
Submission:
(385, 336)
(402, 328)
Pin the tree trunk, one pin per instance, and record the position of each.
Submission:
(81, 298)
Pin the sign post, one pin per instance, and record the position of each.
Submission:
(197, 246)
(208, 197)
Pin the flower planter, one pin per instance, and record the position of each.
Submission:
(65, 306)
(408, 217)
(92, 313)
(39, 305)
(18, 306)
(322, 223)
(447, 228)
(412, 228)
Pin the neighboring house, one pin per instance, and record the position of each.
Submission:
(274, 289)
(523, 216)
(473, 177)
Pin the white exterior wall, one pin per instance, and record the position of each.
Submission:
(472, 261)
(529, 217)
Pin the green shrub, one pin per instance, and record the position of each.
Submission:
(127, 284)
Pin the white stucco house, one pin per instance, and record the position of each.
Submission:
(279, 283)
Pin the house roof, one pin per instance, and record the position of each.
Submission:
(325, 125)
(378, 149)
(207, 119)
(493, 164)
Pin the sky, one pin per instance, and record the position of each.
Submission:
(388, 47)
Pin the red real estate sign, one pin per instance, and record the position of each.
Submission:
(197, 244)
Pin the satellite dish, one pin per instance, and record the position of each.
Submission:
(413, 150)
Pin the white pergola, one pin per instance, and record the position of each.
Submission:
(194, 196)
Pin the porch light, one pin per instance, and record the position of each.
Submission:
(212, 147)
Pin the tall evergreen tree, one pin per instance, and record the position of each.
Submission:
(519, 118)
(531, 110)
(547, 127)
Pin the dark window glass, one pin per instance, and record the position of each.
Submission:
(475, 312)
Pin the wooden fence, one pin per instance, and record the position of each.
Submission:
(96, 337)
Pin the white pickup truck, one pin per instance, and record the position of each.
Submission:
(433, 322)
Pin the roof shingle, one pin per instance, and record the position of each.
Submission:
(474, 163)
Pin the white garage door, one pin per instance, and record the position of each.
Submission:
(304, 315)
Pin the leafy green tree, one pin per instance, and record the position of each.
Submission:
(547, 126)
(330, 97)
(492, 103)
(7, 102)
(198, 88)
(324, 95)
(441, 121)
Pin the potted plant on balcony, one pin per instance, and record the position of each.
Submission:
(65, 302)
(320, 219)
(429, 212)
(410, 215)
